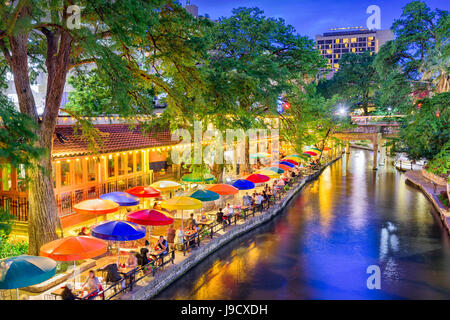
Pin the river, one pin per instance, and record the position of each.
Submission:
(351, 218)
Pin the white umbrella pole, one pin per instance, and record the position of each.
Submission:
(17, 292)
(118, 256)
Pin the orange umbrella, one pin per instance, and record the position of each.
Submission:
(144, 192)
(74, 248)
(281, 166)
(223, 189)
(96, 206)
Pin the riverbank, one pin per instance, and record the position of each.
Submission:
(427, 187)
(149, 287)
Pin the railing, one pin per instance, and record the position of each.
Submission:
(15, 205)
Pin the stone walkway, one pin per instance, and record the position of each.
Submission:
(428, 188)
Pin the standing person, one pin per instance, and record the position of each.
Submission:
(170, 234)
(246, 200)
(179, 238)
(192, 220)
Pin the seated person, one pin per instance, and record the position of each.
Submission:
(94, 285)
(83, 232)
(112, 273)
(162, 245)
(219, 215)
(228, 213)
(132, 261)
(67, 293)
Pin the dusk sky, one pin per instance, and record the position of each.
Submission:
(311, 17)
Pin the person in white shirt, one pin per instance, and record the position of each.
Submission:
(228, 212)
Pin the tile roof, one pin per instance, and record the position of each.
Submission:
(116, 137)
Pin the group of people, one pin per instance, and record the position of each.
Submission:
(225, 215)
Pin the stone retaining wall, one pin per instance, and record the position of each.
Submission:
(435, 178)
(164, 278)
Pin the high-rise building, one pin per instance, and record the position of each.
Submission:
(334, 44)
(191, 8)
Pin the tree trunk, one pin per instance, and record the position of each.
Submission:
(217, 171)
(246, 168)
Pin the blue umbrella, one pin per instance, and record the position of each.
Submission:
(123, 199)
(243, 184)
(24, 271)
(287, 163)
(118, 230)
(205, 195)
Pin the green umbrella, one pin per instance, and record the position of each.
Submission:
(261, 155)
(205, 195)
(193, 177)
(274, 169)
(24, 271)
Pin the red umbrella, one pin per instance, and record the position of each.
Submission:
(223, 189)
(257, 178)
(149, 218)
(311, 153)
(295, 163)
(144, 192)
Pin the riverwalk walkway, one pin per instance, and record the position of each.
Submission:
(431, 191)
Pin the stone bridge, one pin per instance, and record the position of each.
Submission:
(377, 132)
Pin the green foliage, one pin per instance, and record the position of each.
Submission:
(6, 223)
(12, 249)
(425, 130)
(440, 164)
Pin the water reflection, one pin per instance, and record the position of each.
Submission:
(320, 248)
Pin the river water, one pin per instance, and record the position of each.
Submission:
(351, 218)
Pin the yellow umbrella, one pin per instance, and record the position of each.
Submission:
(166, 185)
(269, 173)
(182, 203)
(291, 158)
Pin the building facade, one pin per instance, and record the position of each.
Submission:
(332, 45)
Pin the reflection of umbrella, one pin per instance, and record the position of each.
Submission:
(269, 173)
(242, 184)
(274, 169)
(182, 203)
(73, 248)
(192, 177)
(149, 218)
(292, 162)
(24, 271)
(260, 155)
(307, 155)
(223, 189)
(293, 156)
(204, 195)
(280, 165)
(257, 178)
(123, 199)
(144, 192)
(96, 206)
(118, 230)
(166, 185)
(326, 149)
(311, 153)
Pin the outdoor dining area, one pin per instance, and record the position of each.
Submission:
(139, 231)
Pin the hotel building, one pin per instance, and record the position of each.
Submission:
(338, 41)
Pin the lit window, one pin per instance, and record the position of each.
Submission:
(353, 49)
(111, 165)
(337, 56)
(130, 163)
(91, 170)
(6, 177)
(336, 40)
(78, 172)
(121, 163)
(329, 51)
(320, 46)
(65, 173)
(370, 38)
(139, 161)
(353, 40)
(345, 40)
(369, 44)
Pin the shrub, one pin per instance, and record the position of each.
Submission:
(12, 249)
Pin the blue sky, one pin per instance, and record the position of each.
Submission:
(311, 17)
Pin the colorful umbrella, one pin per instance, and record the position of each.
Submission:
(292, 162)
(182, 203)
(123, 199)
(257, 178)
(149, 218)
(260, 155)
(307, 155)
(24, 271)
(192, 177)
(293, 156)
(118, 230)
(166, 185)
(204, 195)
(73, 248)
(242, 184)
(223, 189)
(274, 169)
(326, 149)
(283, 165)
(269, 173)
(144, 192)
(311, 153)
(96, 206)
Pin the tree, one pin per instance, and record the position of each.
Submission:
(356, 81)
(425, 130)
(421, 48)
(253, 62)
(123, 40)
